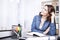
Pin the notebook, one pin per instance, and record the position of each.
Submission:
(36, 34)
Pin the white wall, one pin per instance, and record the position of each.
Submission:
(32, 8)
(12, 13)
(21, 15)
(8, 15)
(3, 13)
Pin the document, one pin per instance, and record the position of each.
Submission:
(36, 33)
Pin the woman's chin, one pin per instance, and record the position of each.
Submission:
(43, 15)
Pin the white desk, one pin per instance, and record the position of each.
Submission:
(41, 38)
(45, 37)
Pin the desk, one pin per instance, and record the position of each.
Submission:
(32, 38)
(42, 38)
(45, 37)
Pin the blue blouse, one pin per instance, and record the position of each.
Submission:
(36, 23)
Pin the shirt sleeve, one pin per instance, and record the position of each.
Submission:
(33, 25)
(52, 29)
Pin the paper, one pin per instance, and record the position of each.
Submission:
(36, 33)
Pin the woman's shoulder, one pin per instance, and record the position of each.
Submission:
(37, 16)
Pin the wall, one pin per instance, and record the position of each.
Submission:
(8, 15)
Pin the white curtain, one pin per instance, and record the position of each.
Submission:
(8, 14)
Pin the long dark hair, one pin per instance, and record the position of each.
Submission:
(50, 10)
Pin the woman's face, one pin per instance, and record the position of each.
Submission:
(44, 11)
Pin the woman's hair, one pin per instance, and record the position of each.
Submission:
(50, 10)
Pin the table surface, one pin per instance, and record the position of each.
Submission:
(32, 38)
(9, 39)
(41, 38)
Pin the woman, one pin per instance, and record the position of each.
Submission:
(45, 21)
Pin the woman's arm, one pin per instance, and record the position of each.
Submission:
(52, 26)
(47, 30)
(34, 25)
(51, 29)
(52, 17)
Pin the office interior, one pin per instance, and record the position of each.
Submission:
(15, 12)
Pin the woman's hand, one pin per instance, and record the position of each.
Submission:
(52, 17)
(47, 30)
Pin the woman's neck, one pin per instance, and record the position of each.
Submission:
(44, 17)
